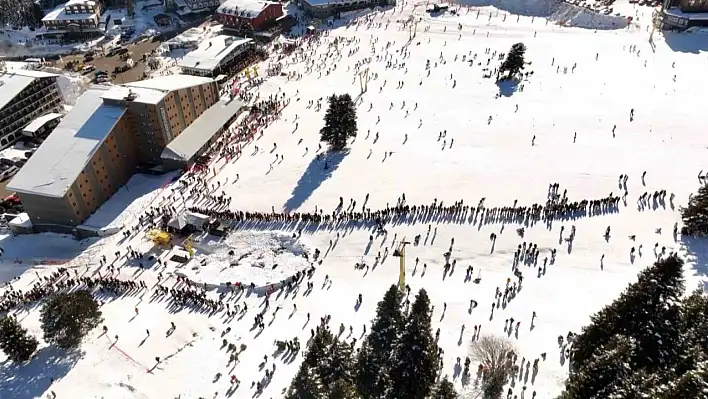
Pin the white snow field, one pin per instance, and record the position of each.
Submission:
(261, 258)
(584, 81)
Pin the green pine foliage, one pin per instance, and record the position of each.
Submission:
(514, 62)
(695, 215)
(398, 359)
(67, 317)
(374, 360)
(415, 365)
(17, 344)
(651, 342)
(327, 371)
(305, 385)
(340, 122)
(445, 390)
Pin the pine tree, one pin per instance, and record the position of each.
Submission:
(17, 344)
(337, 367)
(340, 122)
(514, 62)
(695, 215)
(416, 363)
(374, 359)
(445, 390)
(305, 385)
(67, 317)
(643, 342)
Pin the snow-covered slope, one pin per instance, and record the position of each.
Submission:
(569, 124)
(555, 11)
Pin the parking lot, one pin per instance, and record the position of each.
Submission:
(108, 64)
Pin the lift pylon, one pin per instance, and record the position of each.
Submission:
(400, 253)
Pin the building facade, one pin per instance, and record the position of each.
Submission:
(74, 16)
(247, 16)
(681, 14)
(98, 145)
(331, 8)
(24, 96)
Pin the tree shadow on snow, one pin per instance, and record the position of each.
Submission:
(507, 87)
(686, 42)
(320, 169)
(696, 252)
(33, 379)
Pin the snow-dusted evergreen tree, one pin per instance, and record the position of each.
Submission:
(374, 358)
(649, 343)
(445, 390)
(17, 344)
(19, 13)
(68, 317)
(695, 215)
(336, 370)
(305, 385)
(415, 358)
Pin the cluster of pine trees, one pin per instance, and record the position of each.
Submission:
(651, 342)
(20, 13)
(695, 214)
(66, 318)
(340, 122)
(397, 359)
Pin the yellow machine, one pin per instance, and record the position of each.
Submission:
(400, 253)
(188, 244)
(159, 237)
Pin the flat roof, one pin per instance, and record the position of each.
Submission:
(65, 153)
(169, 82)
(152, 91)
(39, 122)
(141, 95)
(203, 129)
(211, 53)
(243, 8)
(13, 82)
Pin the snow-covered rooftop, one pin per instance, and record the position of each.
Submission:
(169, 82)
(39, 122)
(59, 12)
(61, 158)
(141, 95)
(211, 53)
(13, 82)
(243, 8)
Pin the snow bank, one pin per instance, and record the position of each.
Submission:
(71, 87)
(259, 258)
(128, 202)
(554, 10)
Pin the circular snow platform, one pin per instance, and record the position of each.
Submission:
(264, 259)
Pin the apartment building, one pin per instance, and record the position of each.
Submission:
(24, 96)
(97, 146)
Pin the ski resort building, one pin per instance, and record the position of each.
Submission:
(215, 56)
(682, 14)
(247, 16)
(99, 144)
(76, 17)
(24, 96)
(329, 8)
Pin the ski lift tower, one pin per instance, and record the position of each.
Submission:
(400, 253)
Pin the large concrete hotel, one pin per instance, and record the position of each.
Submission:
(100, 142)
